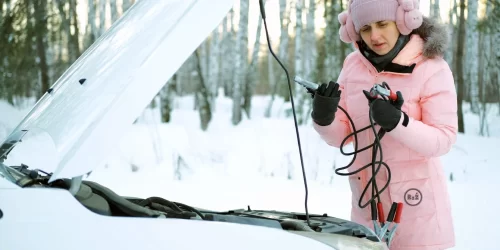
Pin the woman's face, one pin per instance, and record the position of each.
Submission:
(380, 36)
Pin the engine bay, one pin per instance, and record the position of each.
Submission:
(102, 200)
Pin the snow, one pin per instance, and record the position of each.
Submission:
(257, 164)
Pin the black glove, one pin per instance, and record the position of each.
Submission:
(325, 103)
(386, 113)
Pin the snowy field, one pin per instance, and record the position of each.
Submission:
(257, 164)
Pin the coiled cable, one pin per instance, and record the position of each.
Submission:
(376, 146)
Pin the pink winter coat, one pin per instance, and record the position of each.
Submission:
(412, 151)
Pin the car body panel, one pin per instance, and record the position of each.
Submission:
(58, 221)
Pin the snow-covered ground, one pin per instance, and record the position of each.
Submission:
(257, 164)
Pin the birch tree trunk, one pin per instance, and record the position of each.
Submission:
(51, 42)
(321, 47)
(214, 66)
(229, 53)
(114, 11)
(91, 28)
(251, 73)
(202, 95)
(490, 56)
(472, 54)
(282, 54)
(182, 77)
(40, 8)
(339, 49)
(434, 10)
(299, 60)
(223, 50)
(7, 23)
(102, 16)
(204, 61)
(482, 82)
(283, 50)
(485, 62)
(495, 46)
(487, 84)
(271, 79)
(329, 38)
(167, 97)
(66, 20)
(240, 63)
(310, 55)
(450, 53)
(459, 66)
(481, 73)
(75, 37)
(334, 51)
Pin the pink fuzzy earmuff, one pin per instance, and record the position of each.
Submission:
(347, 32)
(408, 16)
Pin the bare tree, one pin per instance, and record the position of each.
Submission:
(114, 11)
(214, 65)
(434, 9)
(102, 15)
(459, 66)
(91, 33)
(167, 96)
(40, 9)
(240, 63)
(228, 50)
(299, 59)
(450, 53)
(321, 45)
(481, 81)
(495, 47)
(203, 95)
(282, 53)
(472, 55)
(310, 54)
(69, 21)
(252, 72)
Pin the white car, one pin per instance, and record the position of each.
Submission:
(86, 112)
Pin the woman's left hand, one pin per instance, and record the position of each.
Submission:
(387, 114)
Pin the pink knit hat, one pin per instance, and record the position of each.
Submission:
(359, 13)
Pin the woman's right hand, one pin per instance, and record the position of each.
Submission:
(325, 103)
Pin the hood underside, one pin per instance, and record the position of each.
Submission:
(96, 100)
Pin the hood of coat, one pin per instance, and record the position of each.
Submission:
(429, 41)
(435, 38)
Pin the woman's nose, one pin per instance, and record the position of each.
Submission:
(375, 34)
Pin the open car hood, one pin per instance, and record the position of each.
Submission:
(88, 109)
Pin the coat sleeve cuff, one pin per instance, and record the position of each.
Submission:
(403, 122)
(405, 119)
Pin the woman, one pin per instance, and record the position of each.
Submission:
(397, 45)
